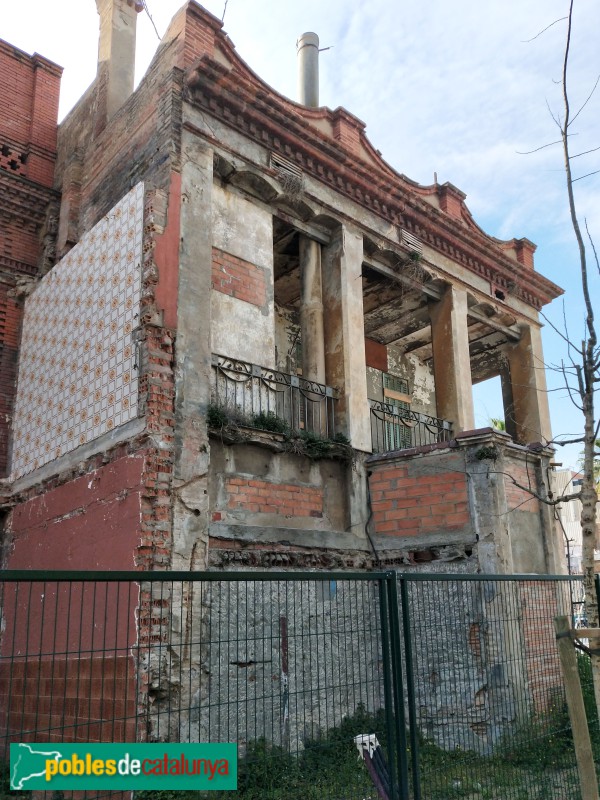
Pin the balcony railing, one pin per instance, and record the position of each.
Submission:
(394, 428)
(254, 393)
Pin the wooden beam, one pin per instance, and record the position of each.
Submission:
(579, 725)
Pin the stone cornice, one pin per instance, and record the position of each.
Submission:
(241, 101)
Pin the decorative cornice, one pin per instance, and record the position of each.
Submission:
(24, 200)
(241, 101)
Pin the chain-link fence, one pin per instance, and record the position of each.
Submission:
(457, 676)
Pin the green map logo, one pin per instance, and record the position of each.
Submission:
(64, 767)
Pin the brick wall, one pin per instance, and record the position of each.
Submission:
(539, 605)
(238, 278)
(517, 498)
(28, 129)
(265, 497)
(76, 700)
(409, 504)
(28, 112)
(10, 320)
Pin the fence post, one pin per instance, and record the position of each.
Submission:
(384, 613)
(410, 688)
(398, 686)
(579, 724)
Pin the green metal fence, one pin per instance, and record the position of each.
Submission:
(456, 675)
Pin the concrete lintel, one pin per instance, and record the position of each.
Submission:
(390, 542)
(252, 534)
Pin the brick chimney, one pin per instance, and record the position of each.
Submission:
(116, 53)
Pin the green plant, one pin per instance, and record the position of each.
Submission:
(487, 453)
(269, 421)
(217, 416)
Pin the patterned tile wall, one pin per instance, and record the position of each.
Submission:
(77, 371)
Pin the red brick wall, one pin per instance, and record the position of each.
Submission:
(29, 110)
(28, 129)
(10, 321)
(407, 505)
(538, 602)
(264, 497)
(92, 522)
(75, 700)
(517, 498)
(238, 278)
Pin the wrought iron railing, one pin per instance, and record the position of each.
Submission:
(259, 395)
(394, 428)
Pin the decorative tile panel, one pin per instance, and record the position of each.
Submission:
(77, 370)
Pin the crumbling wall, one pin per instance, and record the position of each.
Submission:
(242, 310)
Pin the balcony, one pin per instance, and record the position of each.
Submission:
(394, 428)
(259, 396)
(258, 393)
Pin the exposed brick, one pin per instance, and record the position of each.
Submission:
(238, 278)
(265, 497)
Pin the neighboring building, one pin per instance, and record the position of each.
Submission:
(568, 516)
(230, 259)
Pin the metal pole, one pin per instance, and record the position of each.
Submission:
(410, 687)
(387, 683)
(398, 687)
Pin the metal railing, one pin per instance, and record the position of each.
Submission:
(260, 394)
(394, 428)
(457, 676)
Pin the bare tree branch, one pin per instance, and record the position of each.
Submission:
(589, 97)
(555, 501)
(587, 175)
(585, 152)
(561, 19)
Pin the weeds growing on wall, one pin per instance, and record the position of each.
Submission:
(235, 426)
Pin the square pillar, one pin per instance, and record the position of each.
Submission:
(344, 330)
(311, 311)
(529, 415)
(451, 359)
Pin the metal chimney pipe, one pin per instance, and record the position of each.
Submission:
(307, 47)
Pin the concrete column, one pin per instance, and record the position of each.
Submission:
(116, 50)
(193, 363)
(311, 311)
(451, 360)
(530, 415)
(345, 365)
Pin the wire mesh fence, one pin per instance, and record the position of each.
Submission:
(456, 676)
(489, 713)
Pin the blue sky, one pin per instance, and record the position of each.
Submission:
(452, 88)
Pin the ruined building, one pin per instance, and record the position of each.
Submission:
(246, 340)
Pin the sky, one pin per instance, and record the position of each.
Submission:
(461, 89)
